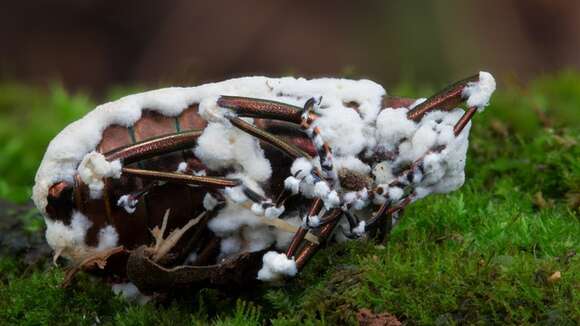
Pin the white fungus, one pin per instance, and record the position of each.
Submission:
(276, 266)
(67, 238)
(128, 203)
(352, 121)
(360, 229)
(209, 202)
(478, 93)
(108, 238)
(93, 168)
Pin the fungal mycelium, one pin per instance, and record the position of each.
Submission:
(241, 181)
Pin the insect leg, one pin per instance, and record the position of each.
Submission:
(310, 248)
(289, 149)
(446, 99)
(260, 108)
(213, 182)
(154, 147)
(315, 207)
(387, 211)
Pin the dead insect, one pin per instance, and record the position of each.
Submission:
(250, 175)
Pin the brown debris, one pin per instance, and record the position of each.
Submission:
(366, 317)
(353, 180)
(540, 202)
(555, 277)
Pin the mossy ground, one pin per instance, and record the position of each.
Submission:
(486, 254)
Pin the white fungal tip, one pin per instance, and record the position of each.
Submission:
(478, 93)
(395, 193)
(108, 238)
(332, 200)
(236, 194)
(94, 168)
(314, 221)
(274, 212)
(257, 209)
(276, 266)
(321, 189)
(128, 203)
(301, 167)
(360, 229)
(182, 167)
(209, 202)
(292, 184)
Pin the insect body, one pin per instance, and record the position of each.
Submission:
(251, 175)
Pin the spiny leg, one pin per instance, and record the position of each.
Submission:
(212, 182)
(154, 147)
(386, 211)
(452, 96)
(310, 248)
(293, 151)
(314, 209)
(446, 99)
(260, 108)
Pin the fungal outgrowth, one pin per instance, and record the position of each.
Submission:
(269, 167)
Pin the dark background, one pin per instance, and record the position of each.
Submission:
(90, 45)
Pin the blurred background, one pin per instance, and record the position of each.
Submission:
(90, 45)
(60, 58)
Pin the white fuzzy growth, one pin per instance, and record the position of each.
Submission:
(276, 266)
(257, 238)
(331, 200)
(108, 238)
(210, 111)
(342, 129)
(93, 168)
(274, 212)
(231, 218)
(200, 173)
(236, 194)
(230, 245)
(209, 202)
(292, 184)
(257, 209)
(301, 168)
(321, 189)
(360, 228)
(182, 167)
(65, 238)
(383, 172)
(221, 147)
(478, 93)
(395, 193)
(128, 203)
(314, 221)
(66, 150)
(392, 126)
(130, 292)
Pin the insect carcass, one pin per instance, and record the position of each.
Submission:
(243, 180)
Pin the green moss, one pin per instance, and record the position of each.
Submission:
(485, 254)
